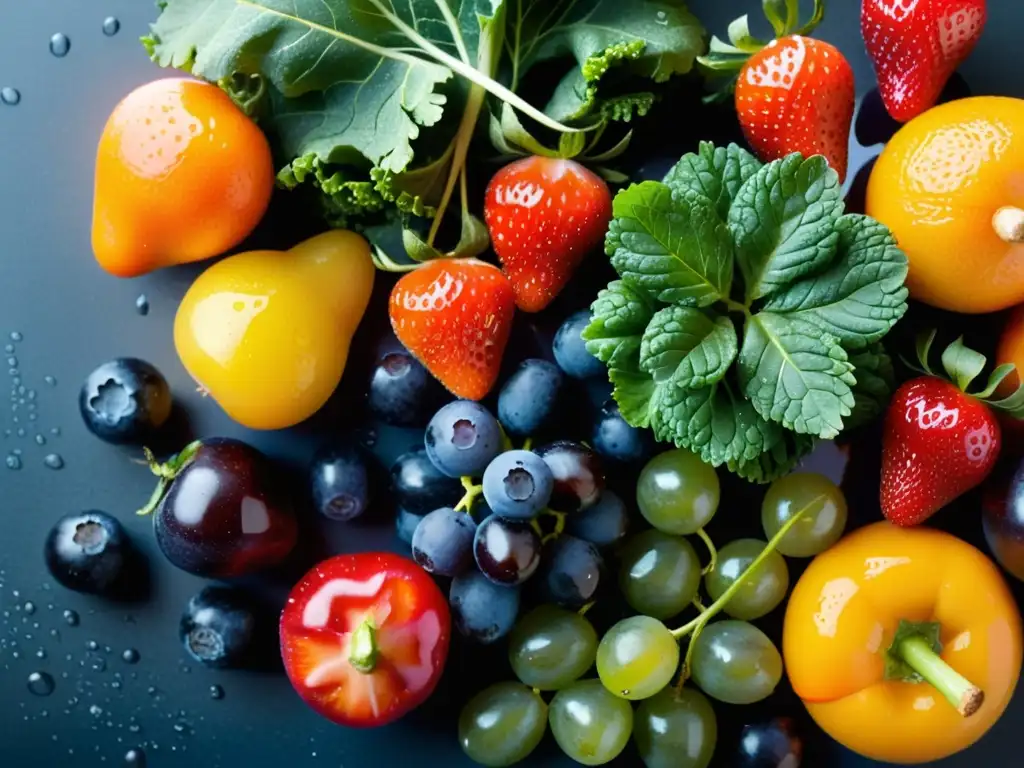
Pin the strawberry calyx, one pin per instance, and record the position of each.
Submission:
(962, 365)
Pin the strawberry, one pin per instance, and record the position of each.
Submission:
(543, 215)
(940, 441)
(916, 45)
(454, 316)
(796, 95)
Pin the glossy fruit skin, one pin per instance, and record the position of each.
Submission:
(340, 482)
(676, 729)
(87, 552)
(736, 662)
(659, 574)
(551, 648)
(916, 47)
(218, 627)
(570, 572)
(937, 444)
(797, 95)
(937, 185)
(590, 725)
(455, 317)
(819, 528)
(125, 401)
(637, 658)
(528, 402)
(762, 590)
(506, 551)
(181, 175)
(771, 744)
(413, 629)
(402, 392)
(616, 440)
(677, 492)
(1003, 522)
(518, 485)
(267, 333)
(867, 582)
(405, 525)
(225, 515)
(602, 524)
(443, 542)
(502, 725)
(462, 438)
(579, 476)
(419, 487)
(482, 610)
(544, 215)
(570, 350)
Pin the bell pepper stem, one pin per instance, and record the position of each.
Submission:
(965, 697)
(362, 654)
(1008, 222)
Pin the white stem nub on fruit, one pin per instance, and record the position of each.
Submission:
(1008, 222)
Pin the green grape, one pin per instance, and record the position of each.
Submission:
(659, 574)
(550, 647)
(502, 724)
(819, 528)
(677, 492)
(760, 591)
(675, 729)
(637, 657)
(735, 662)
(589, 724)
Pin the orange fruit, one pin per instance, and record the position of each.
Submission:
(950, 186)
(181, 175)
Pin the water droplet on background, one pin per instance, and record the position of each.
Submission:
(95, 710)
(12, 461)
(131, 656)
(54, 461)
(216, 692)
(111, 26)
(16, 336)
(41, 683)
(142, 305)
(50, 380)
(60, 44)
(29, 607)
(71, 618)
(40, 440)
(135, 758)
(10, 96)
(55, 431)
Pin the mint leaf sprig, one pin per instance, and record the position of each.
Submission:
(750, 308)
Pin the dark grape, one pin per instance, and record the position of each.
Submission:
(418, 486)
(570, 572)
(340, 482)
(481, 609)
(528, 402)
(443, 542)
(1003, 521)
(615, 440)
(602, 524)
(579, 477)
(402, 392)
(771, 744)
(570, 349)
(507, 551)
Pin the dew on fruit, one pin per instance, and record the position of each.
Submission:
(142, 305)
(71, 618)
(60, 44)
(11, 97)
(54, 461)
(216, 692)
(41, 684)
(13, 461)
(131, 656)
(111, 26)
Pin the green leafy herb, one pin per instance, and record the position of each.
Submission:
(747, 375)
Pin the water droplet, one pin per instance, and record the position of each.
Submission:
(111, 26)
(71, 618)
(186, 668)
(11, 97)
(12, 461)
(41, 653)
(9, 349)
(95, 710)
(41, 683)
(55, 431)
(60, 44)
(97, 663)
(142, 305)
(131, 656)
(40, 440)
(21, 433)
(92, 645)
(216, 692)
(54, 461)
(135, 758)
(16, 336)
(29, 607)
(50, 380)
(12, 362)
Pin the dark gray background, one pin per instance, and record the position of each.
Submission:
(73, 316)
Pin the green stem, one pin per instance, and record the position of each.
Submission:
(716, 607)
(453, 28)
(965, 697)
(713, 562)
(469, 498)
(696, 602)
(515, 51)
(363, 652)
(167, 472)
(735, 306)
(474, 103)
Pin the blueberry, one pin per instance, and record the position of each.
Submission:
(571, 572)
(405, 525)
(571, 350)
(529, 400)
(462, 438)
(616, 440)
(443, 542)
(87, 552)
(603, 524)
(775, 743)
(125, 401)
(218, 627)
(402, 392)
(483, 610)
(419, 487)
(518, 485)
(340, 482)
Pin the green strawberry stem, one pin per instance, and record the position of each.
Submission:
(916, 652)
(363, 651)
(1008, 222)
(166, 473)
(729, 57)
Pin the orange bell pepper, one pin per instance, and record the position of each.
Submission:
(861, 633)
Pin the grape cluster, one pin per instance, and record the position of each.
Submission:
(553, 649)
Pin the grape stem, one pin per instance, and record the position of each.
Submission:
(713, 562)
(473, 492)
(166, 473)
(696, 626)
(559, 528)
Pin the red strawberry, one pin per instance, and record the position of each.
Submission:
(796, 95)
(454, 316)
(916, 45)
(543, 215)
